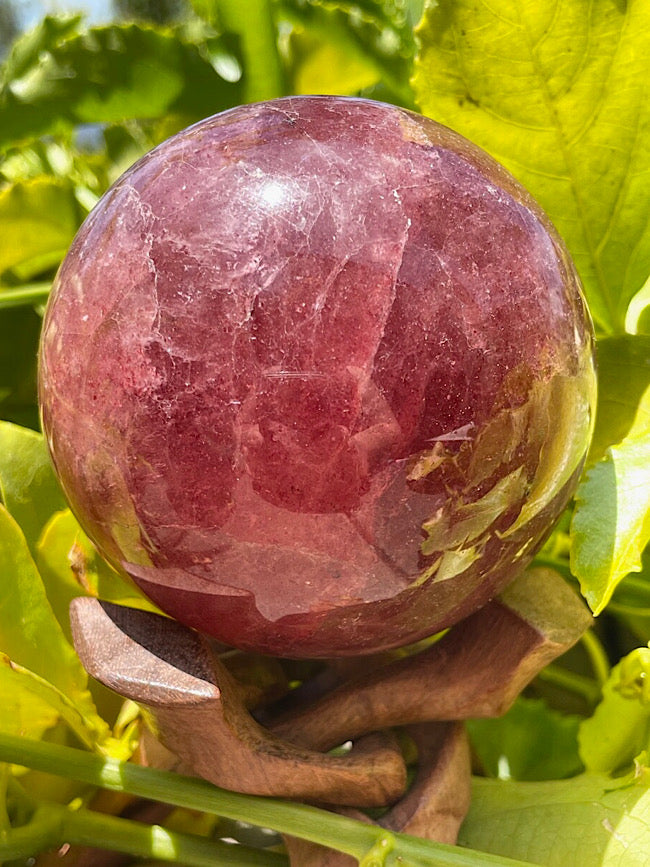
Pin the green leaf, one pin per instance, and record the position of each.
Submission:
(393, 14)
(637, 318)
(25, 692)
(71, 566)
(557, 93)
(611, 523)
(370, 42)
(330, 63)
(30, 634)
(530, 742)
(108, 74)
(588, 821)
(208, 10)
(28, 486)
(38, 220)
(619, 729)
(22, 711)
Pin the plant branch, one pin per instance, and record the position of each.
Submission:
(597, 656)
(23, 296)
(42, 833)
(54, 825)
(86, 828)
(298, 820)
(257, 31)
(588, 689)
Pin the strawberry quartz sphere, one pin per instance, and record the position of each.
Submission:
(318, 375)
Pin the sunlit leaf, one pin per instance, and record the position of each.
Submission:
(22, 711)
(587, 821)
(38, 220)
(556, 92)
(28, 487)
(26, 692)
(371, 41)
(71, 566)
(611, 524)
(88, 173)
(637, 318)
(620, 727)
(30, 634)
(530, 742)
(329, 65)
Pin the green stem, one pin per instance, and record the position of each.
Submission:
(597, 656)
(85, 828)
(299, 820)
(32, 293)
(263, 77)
(54, 825)
(569, 680)
(40, 834)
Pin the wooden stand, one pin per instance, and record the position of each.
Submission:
(198, 707)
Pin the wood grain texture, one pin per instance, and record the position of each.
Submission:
(195, 709)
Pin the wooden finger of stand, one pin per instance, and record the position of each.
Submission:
(476, 670)
(197, 713)
(433, 808)
(438, 800)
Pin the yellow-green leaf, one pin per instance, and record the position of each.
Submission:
(587, 821)
(38, 220)
(611, 523)
(30, 634)
(28, 487)
(26, 692)
(558, 93)
(71, 566)
(22, 711)
(619, 729)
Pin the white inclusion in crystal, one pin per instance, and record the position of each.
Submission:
(460, 433)
(273, 194)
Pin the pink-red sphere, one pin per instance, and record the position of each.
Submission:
(317, 373)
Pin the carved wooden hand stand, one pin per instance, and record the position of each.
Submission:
(201, 712)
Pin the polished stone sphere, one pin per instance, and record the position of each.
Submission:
(317, 374)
